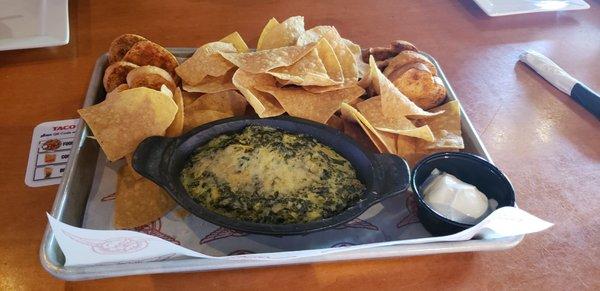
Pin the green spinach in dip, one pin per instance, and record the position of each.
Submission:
(269, 176)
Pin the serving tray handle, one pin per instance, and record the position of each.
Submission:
(148, 157)
(393, 177)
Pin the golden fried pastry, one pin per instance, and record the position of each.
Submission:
(383, 55)
(419, 84)
(147, 53)
(410, 71)
(116, 74)
(408, 57)
(402, 45)
(150, 77)
(121, 45)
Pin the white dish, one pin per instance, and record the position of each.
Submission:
(33, 23)
(511, 7)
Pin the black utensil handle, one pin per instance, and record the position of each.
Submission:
(394, 177)
(586, 98)
(148, 157)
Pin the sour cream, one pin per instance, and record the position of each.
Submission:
(455, 199)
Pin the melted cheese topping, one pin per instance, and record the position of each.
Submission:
(266, 175)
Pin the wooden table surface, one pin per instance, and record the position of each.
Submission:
(547, 144)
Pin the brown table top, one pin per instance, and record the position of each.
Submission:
(547, 144)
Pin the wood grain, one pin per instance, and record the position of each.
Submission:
(547, 144)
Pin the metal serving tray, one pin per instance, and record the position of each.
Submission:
(72, 196)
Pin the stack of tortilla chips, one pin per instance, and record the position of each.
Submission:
(304, 73)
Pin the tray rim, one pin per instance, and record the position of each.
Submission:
(196, 264)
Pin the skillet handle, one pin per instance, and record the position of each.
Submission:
(148, 157)
(393, 177)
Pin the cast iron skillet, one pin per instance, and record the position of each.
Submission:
(161, 160)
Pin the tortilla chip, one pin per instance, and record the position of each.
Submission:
(372, 110)
(189, 98)
(330, 60)
(196, 118)
(264, 104)
(237, 41)
(206, 61)
(355, 131)
(384, 141)
(276, 35)
(406, 147)
(346, 114)
(367, 80)
(139, 201)
(266, 60)
(230, 102)
(392, 100)
(319, 67)
(212, 84)
(309, 70)
(272, 23)
(317, 107)
(118, 89)
(342, 52)
(336, 122)
(356, 101)
(363, 68)
(411, 149)
(323, 89)
(446, 128)
(122, 122)
(165, 90)
(128, 163)
(176, 127)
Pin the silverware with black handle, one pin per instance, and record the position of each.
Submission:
(562, 80)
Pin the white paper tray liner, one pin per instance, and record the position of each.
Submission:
(393, 219)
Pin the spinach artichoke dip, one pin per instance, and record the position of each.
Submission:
(269, 176)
